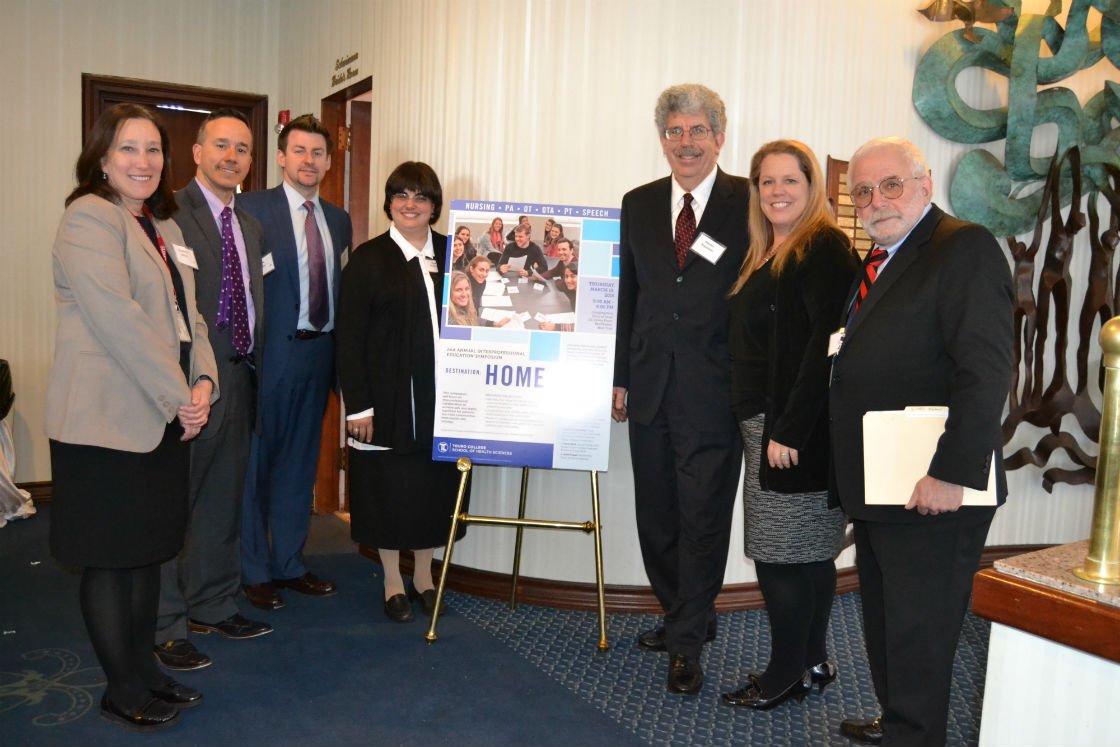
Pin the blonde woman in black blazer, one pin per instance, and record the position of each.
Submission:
(132, 381)
(783, 308)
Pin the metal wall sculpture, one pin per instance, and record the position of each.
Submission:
(1027, 194)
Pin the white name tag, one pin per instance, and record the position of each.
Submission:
(834, 341)
(708, 248)
(345, 258)
(267, 264)
(185, 255)
(430, 265)
(181, 326)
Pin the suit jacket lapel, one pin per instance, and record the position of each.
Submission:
(663, 230)
(204, 219)
(285, 254)
(715, 212)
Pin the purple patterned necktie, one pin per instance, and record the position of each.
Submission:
(232, 311)
(317, 292)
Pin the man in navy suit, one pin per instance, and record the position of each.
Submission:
(933, 327)
(683, 239)
(306, 242)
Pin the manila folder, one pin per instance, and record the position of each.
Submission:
(898, 446)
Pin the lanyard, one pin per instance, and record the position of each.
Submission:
(162, 248)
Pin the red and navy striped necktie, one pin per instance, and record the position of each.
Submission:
(875, 258)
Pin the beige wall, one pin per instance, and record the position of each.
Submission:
(47, 46)
(537, 100)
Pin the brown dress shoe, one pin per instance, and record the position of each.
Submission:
(263, 596)
(862, 731)
(309, 584)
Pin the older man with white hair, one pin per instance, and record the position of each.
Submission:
(929, 322)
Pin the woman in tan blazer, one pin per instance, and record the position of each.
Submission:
(132, 381)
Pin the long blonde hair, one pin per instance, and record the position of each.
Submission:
(468, 318)
(816, 217)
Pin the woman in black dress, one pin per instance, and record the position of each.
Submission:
(131, 383)
(785, 304)
(388, 330)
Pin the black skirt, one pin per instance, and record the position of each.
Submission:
(402, 501)
(119, 509)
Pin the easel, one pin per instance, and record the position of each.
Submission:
(521, 523)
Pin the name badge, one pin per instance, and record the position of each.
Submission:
(430, 265)
(181, 326)
(185, 256)
(835, 340)
(344, 259)
(708, 248)
(267, 264)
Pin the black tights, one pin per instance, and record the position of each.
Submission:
(798, 602)
(119, 607)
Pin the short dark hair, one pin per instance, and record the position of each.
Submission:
(418, 177)
(305, 123)
(523, 228)
(90, 176)
(226, 112)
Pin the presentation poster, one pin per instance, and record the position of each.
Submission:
(526, 356)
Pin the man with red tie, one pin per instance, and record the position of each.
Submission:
(306, 242)
(930, 324)
(683, 238)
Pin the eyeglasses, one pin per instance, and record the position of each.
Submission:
(417, 199)
(890, 188)
(698, 132)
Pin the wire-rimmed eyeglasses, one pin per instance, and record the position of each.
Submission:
(697, 132)
(890, 188)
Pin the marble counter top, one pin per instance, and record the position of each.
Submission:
(1053, 566)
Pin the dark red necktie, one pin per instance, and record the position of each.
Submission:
(875, 258)
(686, 229)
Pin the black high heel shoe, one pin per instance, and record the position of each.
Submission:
(750, 695)
(822, 674)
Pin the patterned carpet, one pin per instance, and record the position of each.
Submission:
(628, 684)
(336, 671)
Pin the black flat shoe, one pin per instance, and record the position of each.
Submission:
(154, 715)
(750, 695)
(398, 609)
(427, 599)
(823, 674)
(178, 695)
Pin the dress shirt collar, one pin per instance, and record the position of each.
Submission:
(296, 200)
(700, 194)
(407, 249)
(215, 202)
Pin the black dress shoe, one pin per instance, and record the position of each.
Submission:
(863, 731)
(823, 674)
(263, 596)
(398, 609)
(309, 584)
(178, 695)
(154, 715)
(750, 695)
(235, 626)
(654, 640)
(181, 655)
(685, 675)
(427, 599)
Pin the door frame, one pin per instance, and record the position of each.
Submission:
(102, 91)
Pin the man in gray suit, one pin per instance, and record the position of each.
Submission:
(199, 587)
